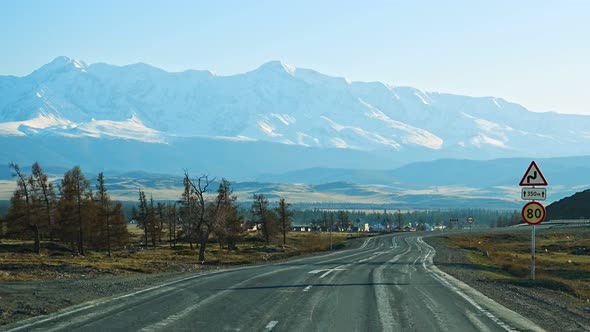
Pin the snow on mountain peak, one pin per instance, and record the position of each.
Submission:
(276, 103)
(277, 67)
(61, 64)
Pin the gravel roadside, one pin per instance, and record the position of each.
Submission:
(553, 310)
(26, 299)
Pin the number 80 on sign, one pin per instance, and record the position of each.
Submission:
(533, 213)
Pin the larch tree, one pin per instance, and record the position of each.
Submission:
(22, 215)
(45, 197)
(284, 215)
(161, 218)
(152, 222)
(228, 222)
(264, 217)
(171, 217)
(75, 203)
(343, 221)
(104, 210)
(118, 225)
(142, 216)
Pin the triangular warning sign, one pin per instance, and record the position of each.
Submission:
(533, 177)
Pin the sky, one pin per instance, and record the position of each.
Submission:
(535, 53)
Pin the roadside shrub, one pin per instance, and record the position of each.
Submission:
(516, 270)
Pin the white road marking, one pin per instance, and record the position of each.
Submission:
(31, 322)
(462, 289)
(307, 288)
(271, 325)
(338, 268)
(365, 243)
(169, 320)
(91, 304)
(371, 257)
(384, 298)
(475, 321)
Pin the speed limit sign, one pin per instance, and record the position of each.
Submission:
(533, 213)
(470, 220)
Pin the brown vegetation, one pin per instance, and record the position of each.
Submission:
(562, 257)
(55, 261)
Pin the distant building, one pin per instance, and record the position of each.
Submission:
(366, 229)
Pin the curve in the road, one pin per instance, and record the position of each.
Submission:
(389, 283)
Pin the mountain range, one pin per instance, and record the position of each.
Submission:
(277, 103)
(278, 123)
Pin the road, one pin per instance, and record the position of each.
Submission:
(389, 283)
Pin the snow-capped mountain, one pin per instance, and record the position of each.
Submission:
(277, 103)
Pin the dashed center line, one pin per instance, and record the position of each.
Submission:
(271, 325)
(339, 268)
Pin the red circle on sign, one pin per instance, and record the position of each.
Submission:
(533, 213)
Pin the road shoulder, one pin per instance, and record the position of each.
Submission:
(552, 310)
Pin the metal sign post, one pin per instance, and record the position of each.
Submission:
(533, 212)
(533, 250)
(533, 253)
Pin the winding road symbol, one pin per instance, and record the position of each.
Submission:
(533, 176)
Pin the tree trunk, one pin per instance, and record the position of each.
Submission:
(170, 232)
(37, 245)
(284, 234)
(203, 241)
(108, 237)
(81, 241)
(50, 225)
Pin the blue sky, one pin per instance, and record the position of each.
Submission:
(536, 53)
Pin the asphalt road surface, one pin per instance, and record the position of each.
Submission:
(389, 283)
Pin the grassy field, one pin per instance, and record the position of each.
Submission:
(18, 263)
(562, 257)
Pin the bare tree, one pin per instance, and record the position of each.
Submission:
(104, 208)
(46, 198)
(161, 217)
(188, 211)
(171, 216)
(22, 206)
(143, 215)
(152, 223)
(284, 218)
(204, 225)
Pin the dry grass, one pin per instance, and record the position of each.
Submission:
(562, 257)
(17, 262)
